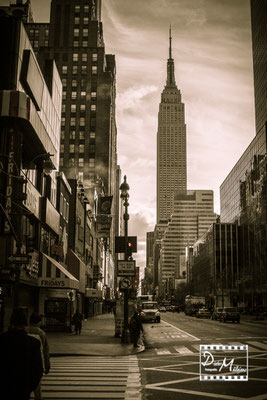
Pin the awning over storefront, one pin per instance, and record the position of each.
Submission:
(54, 275)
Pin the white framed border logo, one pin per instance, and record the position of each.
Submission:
(126, 268)
(223, 363)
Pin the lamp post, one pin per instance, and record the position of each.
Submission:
(124, 187)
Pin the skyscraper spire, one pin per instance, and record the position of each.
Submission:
(170, 65)
(170, 39)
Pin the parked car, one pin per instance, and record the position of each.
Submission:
(216, 313)
(230, 314)
(162, 309)
(203, 313)
(150, 312)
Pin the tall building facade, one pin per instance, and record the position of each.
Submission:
(192, 215)
(171, 144)
(259, 34)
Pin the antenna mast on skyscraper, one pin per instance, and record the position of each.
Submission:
(170, 38)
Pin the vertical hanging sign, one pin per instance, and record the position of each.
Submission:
(9, 181)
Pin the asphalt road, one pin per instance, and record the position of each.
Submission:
(170, 367)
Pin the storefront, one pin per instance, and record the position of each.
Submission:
(58, 295)
(93, 301)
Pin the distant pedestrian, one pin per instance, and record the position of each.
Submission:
(136, 328)
(34, 330)
(21, 362)
(77, 320)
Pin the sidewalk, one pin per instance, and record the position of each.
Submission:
(96, 339)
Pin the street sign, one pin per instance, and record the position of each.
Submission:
(125, 283)
(126, 268)
(19, 259)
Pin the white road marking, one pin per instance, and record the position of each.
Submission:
(180, 330)
(162, 351)
(183, 350)
(258, 344)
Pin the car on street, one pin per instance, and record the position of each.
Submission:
(150, 312)
(230, 314)
(162, 309)
(203, 313)
(216, 313)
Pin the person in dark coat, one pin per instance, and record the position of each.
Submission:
(21, 362)
(77, 320)
(136, 328)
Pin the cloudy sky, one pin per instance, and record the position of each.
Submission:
(213, 68)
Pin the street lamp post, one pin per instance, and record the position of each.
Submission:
(124, 187)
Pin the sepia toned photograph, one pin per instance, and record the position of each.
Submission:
(133, 199)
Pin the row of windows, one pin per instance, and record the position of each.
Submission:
(35, 43)
(74, 134)
(80, 148)
(36, 32)
(74, 94)
(80, 162)
(77, 20)
(84, 57)
(73, 107)
(75, 69)
(77, 8)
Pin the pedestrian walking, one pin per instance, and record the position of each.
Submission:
(136, 328)
(34, 329)
(21, 362)
(77, 320)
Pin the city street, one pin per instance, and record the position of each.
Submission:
(170, 365)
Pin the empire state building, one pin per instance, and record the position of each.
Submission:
(171, 144)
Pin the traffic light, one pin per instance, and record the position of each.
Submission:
(129, 250)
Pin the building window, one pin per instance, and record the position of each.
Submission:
(74, 83)
(93, 107)
(85, 32)
(62, 135)
(71, 148)
(76, 33)
(85, 20)
(35, 44)
(62, 148)
(84, 69)
(77, 8)
(76, 21)
(94, 57)
(83, 83)
(75, 57)
(93, 95)
(82, 107)
(31, 32)
(63, 109)
(63, 121)
(46, 43)
(36, 32)
(64, 95)
(83, 94)
(61, 162)
(92, 148)
(86, 9)
(82, 121)
(64, 69)
(72, 135)
(92, 135)
(74, 69)
(81, 135)
(46, 32)
(71, 162)
(81, 148)
(84, 57)
(64, 82)
(72, 121)
(85, 43)
(81, 162)
(94, 69)
(91, 162)
(74, 95)
(73, 108)
(75, 43)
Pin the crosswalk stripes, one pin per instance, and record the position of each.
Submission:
(253, 347)
(92, 378)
